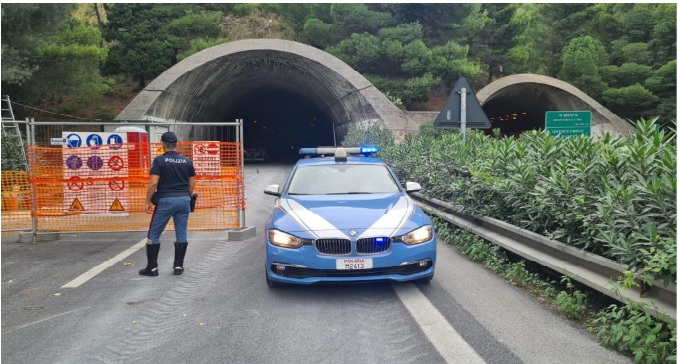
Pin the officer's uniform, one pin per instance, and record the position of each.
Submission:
(175, 176)
(173, 195)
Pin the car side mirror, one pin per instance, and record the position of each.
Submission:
(413, 187)
(273, 190)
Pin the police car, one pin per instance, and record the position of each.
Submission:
(343, 216)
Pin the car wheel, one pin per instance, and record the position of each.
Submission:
(425, 279)
(270, 283)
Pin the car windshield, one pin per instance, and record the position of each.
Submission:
(335, 179)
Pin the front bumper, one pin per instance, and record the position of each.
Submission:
(306, 266)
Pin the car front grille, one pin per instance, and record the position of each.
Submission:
(302, 272)
(333, 246)
(373, 245)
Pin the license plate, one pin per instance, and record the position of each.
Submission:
(354, 263)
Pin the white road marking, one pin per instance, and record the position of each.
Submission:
(100, 268)
(43, 320)
(440, 333)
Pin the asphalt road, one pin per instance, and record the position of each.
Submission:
(221, 310)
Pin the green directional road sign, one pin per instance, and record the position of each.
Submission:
(566, 124)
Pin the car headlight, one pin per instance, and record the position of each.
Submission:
(279, 238)
(417, 236)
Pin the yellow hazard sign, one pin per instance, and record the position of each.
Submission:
(117, 206)
(76, 206)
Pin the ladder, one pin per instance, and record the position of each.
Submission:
(10, 126)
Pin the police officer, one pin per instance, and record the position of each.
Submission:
(173, 178)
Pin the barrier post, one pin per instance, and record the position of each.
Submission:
(30, 136)
(241, 209)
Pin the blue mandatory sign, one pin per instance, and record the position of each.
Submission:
(74, 140)
(115, 141)
(74, 162)
(95, 163)
(94, 140)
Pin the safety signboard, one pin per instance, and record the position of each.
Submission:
(76, 206)
(206, 158)
(95, 166)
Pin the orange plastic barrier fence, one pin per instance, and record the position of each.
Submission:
(16, 201)
(103, 188)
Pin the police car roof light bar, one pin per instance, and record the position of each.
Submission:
(365, 151)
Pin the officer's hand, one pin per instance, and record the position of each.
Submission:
(149, 209)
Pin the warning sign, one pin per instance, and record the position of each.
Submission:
(117, 206)
(76, 206)
(95, 171)
(75, 184)
(116, 163)
(206, 158)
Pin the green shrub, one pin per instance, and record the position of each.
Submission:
(12, 160)
(610, 196)
(630, 329)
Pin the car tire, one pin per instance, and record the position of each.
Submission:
(425, 280)
(270, 283)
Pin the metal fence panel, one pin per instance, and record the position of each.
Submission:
(85, 178)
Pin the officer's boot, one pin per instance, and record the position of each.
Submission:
(179, 253)
(152, 257)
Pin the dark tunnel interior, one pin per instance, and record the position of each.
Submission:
(517, 110)
(280, 122)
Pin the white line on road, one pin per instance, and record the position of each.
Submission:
(440, 333)
(43, 320)
(100, 268)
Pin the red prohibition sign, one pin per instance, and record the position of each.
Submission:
(116, 163)
(116, 185)
(212, 148)
(76, 184)
(199, 149)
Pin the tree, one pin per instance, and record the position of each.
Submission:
(663, 83)
(581, 60)
(319, 34)
(76, 52)
(528, 51)
(357, 18)
(565, 22)
(664, 36)
(141, 42)
(24, 28)
(625, 75)
(631, 102)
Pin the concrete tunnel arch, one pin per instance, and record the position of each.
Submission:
(211, 86)
(538, 93)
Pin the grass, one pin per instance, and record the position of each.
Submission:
(626, 328)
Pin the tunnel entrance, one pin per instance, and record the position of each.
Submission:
(306, 96)
(514, 112)
(280, 122)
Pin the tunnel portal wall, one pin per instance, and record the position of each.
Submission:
(203, 87)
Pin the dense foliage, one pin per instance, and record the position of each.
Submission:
(610, 196)
(623, 55)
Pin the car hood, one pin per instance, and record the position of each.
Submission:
(347, 216)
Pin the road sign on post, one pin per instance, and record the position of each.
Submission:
(565, 124)
(462, 109)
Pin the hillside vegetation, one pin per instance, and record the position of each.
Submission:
(623, 55)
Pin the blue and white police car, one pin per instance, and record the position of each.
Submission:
(343, 216)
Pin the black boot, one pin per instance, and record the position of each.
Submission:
(179, 253)
(152, 257)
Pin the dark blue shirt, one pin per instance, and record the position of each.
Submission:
(174, 171)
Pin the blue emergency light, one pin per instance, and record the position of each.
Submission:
(365, 150)
(341, 152)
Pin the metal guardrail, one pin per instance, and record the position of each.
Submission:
(589, 269)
